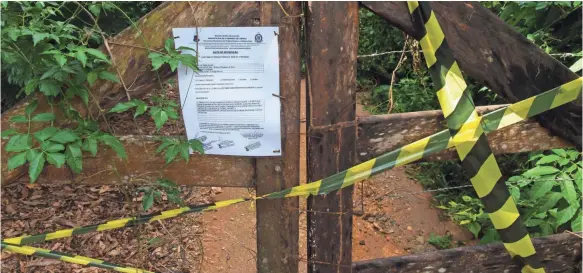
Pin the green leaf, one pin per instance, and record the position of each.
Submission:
(45, 133)
(18, 143)
(36, 166)
(8, 132)
(196, 145)
(157, 60)
(189, 61)
(30, 108)
(82, 93)
(56, 159)
(148, 200)
(52, 147)
(95, 9)
(184, 150)
(90, 145)
(160, 117)
(490, 236)
(568, 191)
(140, 109)
(64, 136)
(19, 119)
(579, 179)
(49, 88)
(98, 54)
(560, 152)
(164, 145)
(548, 159)
(548, 201)
(533, 222)
(169, 45)
(546, 228)
(106, 75)
(540, 171)
(38, 36)
(540, 188)
(73, 158)
(573, 155)
(577, 66)
(114, 144)
(576, 223)
(474, 228)
(80, 55)
(92, 77)
(122, 107)
(171, 153)
(44, 117)
(61, 59)
(16, 161)
(30, 86)
(564, 215)
(515, 193)
(173, 64)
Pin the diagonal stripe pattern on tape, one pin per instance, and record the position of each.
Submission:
(437, 142)
(56, 255)
(470, 140)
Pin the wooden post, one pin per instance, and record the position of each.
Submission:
(277, 220)
(332, 43)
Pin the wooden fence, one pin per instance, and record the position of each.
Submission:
(336, 138)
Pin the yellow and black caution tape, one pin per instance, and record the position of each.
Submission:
(440, 141)
(56, 255)
(472, 145)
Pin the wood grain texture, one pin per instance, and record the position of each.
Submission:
(144, 166)
(332, 41)
(493, 53)
(278, 220)
(384, 133)
(559, 253)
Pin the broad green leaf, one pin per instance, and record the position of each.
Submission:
(44, 117)
(548, 159)
(30, 86)
(568, 191)
(546, 228)
(122, 107)
(515, 193)
(490, 236)
(45, 133)
(98, 54)
(95, 9)
(56, 159)
(114, 144)
(30, 108)
(171, 113)
(564, 215)
(533, 222)
(157, 61)
(61, 59)
(474, 228)
(140, 109)
(148, 200)
(548, 201)
(18, 119)
(196, 145)
(31, 154)
(8, 132)
(36, 166)
(560, 152)
(73, 158)
(184, 150)
(578, 179)
(464, 222)
(52, 147)
(90, 145)
(189, 61)
(173, 64)
(82, 93)
(49, 88)
(92, 77)
(164, 145)
(540, 171)
(576, 222)
(169, 45)
(106, 75)
(18, 143)
(65, 136)
(540, 188)
(16, 161)
(80, 55)
(573, 155)
(160, 117)
(171, 153)
(39, 36)
(577, 66)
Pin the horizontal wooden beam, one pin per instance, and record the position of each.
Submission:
(384, 133)
(559, 253)
(144, 166)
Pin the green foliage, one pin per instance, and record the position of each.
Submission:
(177, 147)
(173, 57)
(440, 242)
(154, 192)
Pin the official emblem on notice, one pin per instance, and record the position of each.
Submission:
(232, 103)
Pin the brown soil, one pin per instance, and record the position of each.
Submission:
(387, 222)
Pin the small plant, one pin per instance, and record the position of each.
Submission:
(154, 192)
(440, 242)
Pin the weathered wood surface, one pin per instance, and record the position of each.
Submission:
(384, 133)
(559, 253)
(493, 53)
(144, 166)
(278, 220)
(332, 41)
(132, 61)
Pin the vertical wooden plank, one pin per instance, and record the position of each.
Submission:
(332, 42)
(277, 220)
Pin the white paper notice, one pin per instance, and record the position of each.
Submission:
(231, 104)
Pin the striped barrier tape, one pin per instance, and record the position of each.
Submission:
(474, 150)
(440, 141)
(51, 254)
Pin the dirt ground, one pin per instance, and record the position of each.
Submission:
(391, 218)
